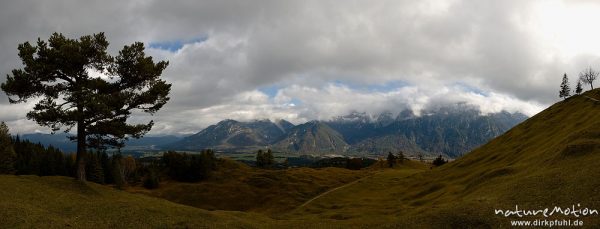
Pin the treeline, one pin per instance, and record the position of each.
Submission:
(22, 157)
(355, 163)
(189, 167)
(400, 158)
(36, 159)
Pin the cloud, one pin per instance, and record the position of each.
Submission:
(318, 59)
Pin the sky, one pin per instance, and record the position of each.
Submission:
(317, 59)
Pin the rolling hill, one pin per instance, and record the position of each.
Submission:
(549, 160)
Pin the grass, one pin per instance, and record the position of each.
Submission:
(59, 202)
(552, 159)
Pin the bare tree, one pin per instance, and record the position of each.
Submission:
(588, 76)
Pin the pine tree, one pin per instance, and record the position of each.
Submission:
(565, 90)
(260, 158)
(578, 88)
(95, 173)
(8, 156)
(57, 73)
(269, 158)
(391, 159)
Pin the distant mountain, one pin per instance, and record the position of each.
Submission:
(448, 131)
(312, 137)
(234, 135)
(60, 141)
(357, 126)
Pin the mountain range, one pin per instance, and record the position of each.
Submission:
(451, 131)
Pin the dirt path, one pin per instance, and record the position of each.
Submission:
(334, 189)
(595, 100)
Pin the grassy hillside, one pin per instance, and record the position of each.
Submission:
(237, 186)
(60, 202)
(550, 160)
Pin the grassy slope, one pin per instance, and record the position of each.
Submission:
(236, 186)
(551, 159)
(59, 202)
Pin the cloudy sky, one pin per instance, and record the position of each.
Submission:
(304, 60)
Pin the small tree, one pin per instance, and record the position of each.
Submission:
(8, 156)
(260, 158)
(391, 159)
(588, 76)
(264, 159)
(401, 157)
(578, 88)
(565, 90)
(439, 161)
(420, 156)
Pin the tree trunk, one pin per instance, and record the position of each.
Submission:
(81, 151)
